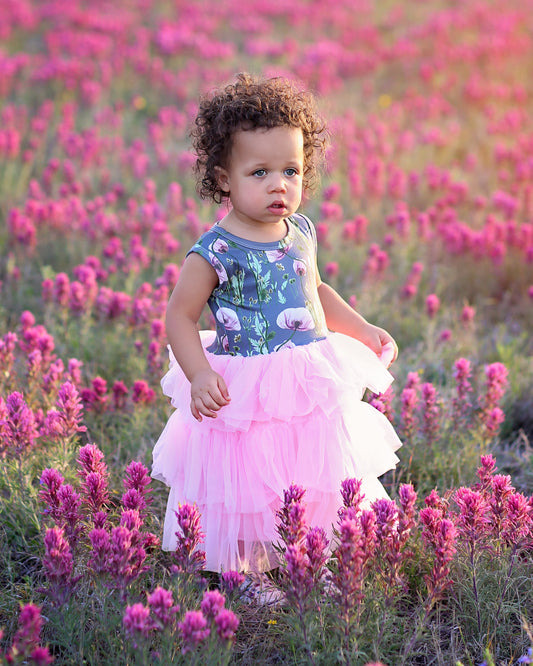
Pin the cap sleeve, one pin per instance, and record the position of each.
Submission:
(306, 227)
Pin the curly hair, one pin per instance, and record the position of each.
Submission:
(248, 104)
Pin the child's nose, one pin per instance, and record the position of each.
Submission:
(277, 183)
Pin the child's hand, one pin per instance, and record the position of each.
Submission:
(208, 394)
(376, 338)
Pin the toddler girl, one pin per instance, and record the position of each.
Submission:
(273, 396)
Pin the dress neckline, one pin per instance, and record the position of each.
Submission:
(256, 244)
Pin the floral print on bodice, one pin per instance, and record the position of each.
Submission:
(266, 299)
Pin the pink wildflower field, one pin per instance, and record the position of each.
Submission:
(424, 216)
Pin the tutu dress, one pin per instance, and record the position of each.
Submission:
(295, 416)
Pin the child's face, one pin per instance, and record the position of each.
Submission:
(264, 175)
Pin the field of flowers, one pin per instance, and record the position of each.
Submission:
(425, 223)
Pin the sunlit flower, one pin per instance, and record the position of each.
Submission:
(296, 319)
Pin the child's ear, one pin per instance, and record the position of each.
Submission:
(222, 178)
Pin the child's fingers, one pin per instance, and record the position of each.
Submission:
(223, 390)
(195, 412)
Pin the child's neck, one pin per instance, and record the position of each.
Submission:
(258, 233)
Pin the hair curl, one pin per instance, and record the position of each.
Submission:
(248, 104)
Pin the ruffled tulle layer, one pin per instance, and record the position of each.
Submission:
(295, 416)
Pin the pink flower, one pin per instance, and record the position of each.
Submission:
(440, 535)
(142, 393)
(91, 459)
(51, 481)
(409, 399)
(467, 315)
(316, 544)
(291, 516)
(100, 542)
(19, 426)
(162, 606)
(274, 256)
(352, 553)
(473, 520)
(120, 391)
(230, 581)
(136, 620)
(65, 421)
(58, 564)
(331, 269)
(212, 602)
(189, 536)
(226, 623)
(229, 319)
(193, 629)
(295, 319)
(26, 640)
(432, 305)
(299, 267)
(351, 497)
(430, 413)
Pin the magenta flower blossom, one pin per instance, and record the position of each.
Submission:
(69, 514)
(407, 514)
(473, 520)
(430, 413)
(409, 400)
(440, 535)
(25, 645)
(162, 606)
(91, 459)
(432, 305)
(390, 539)
(126, 556)
(351, 498)
(7, 353)
(518, 527)
(226, 623)
(95, 491)
(189, 559)
(485, 472)
(136, 621)
(58, 565)
(65, 421)
(384, 403)
(51, 481)
(462, 374)
(291, 516)
(142, 394)
(133, 499)
(468, 314)
(351, 555)
(120, 391)
(137, 478)
(194, 630)
(212, 603)
(100, 542)
(496, 384)
(298, 576)
(316, 545)
(230, 581)
(18, 425)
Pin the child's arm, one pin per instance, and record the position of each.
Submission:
(196, 281)
(342, 318)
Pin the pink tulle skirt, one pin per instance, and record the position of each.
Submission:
(295, 416)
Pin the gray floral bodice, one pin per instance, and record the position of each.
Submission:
(266, 299)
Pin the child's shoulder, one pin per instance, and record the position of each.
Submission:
(303, 224)
(215, 242)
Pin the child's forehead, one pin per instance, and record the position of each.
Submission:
(263, 137)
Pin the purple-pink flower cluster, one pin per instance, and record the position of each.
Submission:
(26, 647)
